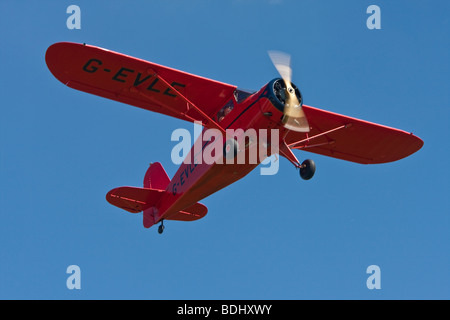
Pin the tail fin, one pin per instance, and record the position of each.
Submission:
(146, 199)
(156, 177)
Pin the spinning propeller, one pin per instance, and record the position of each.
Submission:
(294, 118)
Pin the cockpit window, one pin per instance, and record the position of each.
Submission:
(241, 95)
(225, 110)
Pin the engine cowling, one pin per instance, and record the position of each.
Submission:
(289, 101)
(277, 93)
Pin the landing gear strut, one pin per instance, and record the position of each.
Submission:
(161, 227)
(307, 169)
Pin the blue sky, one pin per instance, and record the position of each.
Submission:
(265, 237)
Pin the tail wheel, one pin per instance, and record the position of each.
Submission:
(161, 227)
(307, 169)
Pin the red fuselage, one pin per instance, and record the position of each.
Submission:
(195, 181)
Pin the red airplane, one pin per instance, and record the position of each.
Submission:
(278, 106)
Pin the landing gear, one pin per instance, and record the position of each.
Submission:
(307, 169)
(161, 227)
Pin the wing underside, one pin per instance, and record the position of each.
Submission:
(193, 98)
(137, 82)
(351, 139)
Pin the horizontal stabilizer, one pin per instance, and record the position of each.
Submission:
(134, 199)
(148, 199)
(192, 213)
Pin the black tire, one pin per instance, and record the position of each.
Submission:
(307, 169)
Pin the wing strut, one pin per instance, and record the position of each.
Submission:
(210, 123)
(155, 101)
(297, 145)
(286, 149)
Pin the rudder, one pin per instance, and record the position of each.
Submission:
(156, 177)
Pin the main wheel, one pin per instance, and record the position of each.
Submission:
(307, 169)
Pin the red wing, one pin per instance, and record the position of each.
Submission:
(137, 82)
(351, 139)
